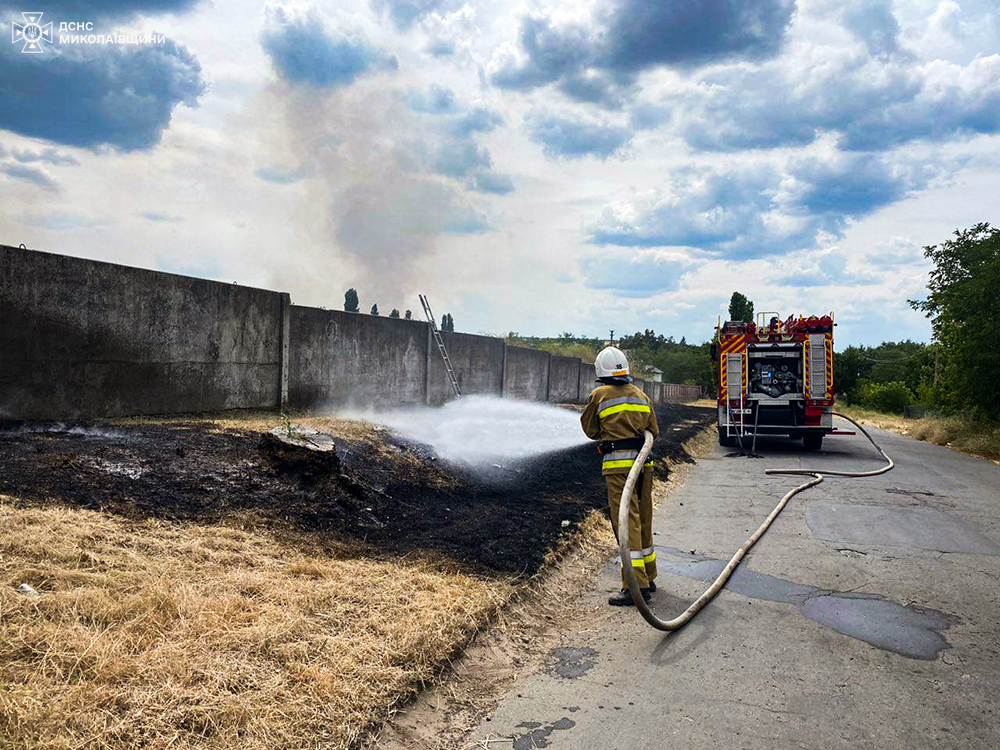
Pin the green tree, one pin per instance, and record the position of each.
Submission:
(374, 310)
(849, 367)
(892, 397)
(908, 362)
(408, 315)
(964, 307)
(351, 301)
(394, 313)
(740, 308)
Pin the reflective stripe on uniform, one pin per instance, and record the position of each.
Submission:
(620, 456)
(648, 555)
(623, 464)
(624, 407)
(625, 403)
(636, 555)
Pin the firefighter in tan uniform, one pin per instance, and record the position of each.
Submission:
(618, 414)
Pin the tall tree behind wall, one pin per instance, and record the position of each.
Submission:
(740, 308)
(351, 301)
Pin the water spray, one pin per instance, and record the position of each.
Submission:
(480, 431)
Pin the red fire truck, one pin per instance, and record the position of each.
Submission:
(775, 378)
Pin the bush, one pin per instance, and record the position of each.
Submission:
(889, 397)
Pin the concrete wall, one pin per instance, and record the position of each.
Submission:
(564, 380)
(527, 374)
(478, 365)
(588, 379)
(339, 358)
(82, 339)
(680, 393)
(654, 390)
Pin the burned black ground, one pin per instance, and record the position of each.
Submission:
(394, 497)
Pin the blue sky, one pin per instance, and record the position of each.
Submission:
(540, 167)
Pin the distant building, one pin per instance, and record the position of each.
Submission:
(654, 374)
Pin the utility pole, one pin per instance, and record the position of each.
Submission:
(612, 341)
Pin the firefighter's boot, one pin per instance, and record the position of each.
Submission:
(624, 598)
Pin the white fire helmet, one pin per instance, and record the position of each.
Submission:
(611, 363)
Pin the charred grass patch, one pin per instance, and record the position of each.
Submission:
(191, 598)
(393, 497)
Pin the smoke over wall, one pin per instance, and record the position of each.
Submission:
(383, 177)
(369, 214)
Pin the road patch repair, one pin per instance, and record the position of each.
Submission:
(194, 589)
(906, 630)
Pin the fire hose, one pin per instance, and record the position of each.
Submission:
(817, 476)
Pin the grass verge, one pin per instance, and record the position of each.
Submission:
(960, 433)
(159, 635)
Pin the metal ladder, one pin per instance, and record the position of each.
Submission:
(440, 344)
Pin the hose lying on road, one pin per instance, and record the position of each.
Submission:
(682, 619)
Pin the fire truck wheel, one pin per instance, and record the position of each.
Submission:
(726, 441)
(812, 441)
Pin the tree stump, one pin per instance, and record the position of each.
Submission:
(299, 451)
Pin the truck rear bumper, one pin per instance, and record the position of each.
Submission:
(786, 419)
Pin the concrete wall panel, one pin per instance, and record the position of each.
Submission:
(655, 391)
(681, 393)
(478, 365)
(83, 339)
(588, 380)
(564, 380)
(339, 358)
(527, 374)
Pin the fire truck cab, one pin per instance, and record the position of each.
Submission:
(775, 378)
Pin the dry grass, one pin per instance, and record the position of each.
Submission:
(157, 635)
(959, 433)
(260, 420)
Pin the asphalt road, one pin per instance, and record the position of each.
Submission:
(865, 618)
